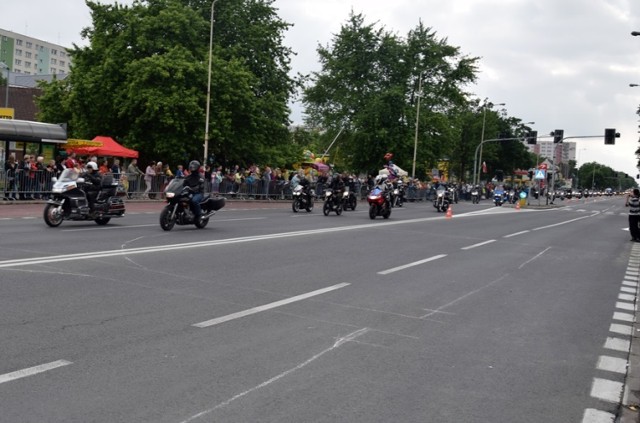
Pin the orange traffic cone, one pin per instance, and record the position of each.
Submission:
(449, 212)
(518, 206)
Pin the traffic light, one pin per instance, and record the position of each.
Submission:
(610, 136)
(558, 135)
(531, 175)
(532, 137)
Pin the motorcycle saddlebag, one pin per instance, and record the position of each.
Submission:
(215, 203)
(116, 205)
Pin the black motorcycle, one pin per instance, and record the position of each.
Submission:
(69, 200)
(349, 199)
(178, 209)
(475, 196)
(332, 202)
(302, 199)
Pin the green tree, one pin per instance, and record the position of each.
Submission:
(369, 86)
(143, 80)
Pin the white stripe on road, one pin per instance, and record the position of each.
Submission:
(625, 306)
(606, 390)
(592, 415)
(516, 234)
(617, 344)
(565, 222)
(105, 228)
(7, 377)
(478, 244)
(261, 308)
(612, 364)
(625, 317)
(415, 263)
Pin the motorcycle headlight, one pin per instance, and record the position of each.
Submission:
(170, 194)
(374, 197)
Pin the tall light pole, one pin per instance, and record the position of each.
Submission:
(6, 92)
(206, 121)
(415, 139)
(484, 120)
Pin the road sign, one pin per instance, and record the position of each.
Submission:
(542, 166)
(540, 174)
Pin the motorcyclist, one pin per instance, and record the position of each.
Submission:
(306, 187)
(337, 186)
(93, 182)
(195, 182)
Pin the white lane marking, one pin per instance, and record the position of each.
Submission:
(630, 283)
(534, 257)
(617, 344)
(627, 297)
(337, 344)
(261, 308)
(106, 228)
(625, 306)
(620, 329)
(612, 364)
(606, 390)
(628, 290)
(415, 263)
(516, 234)
(7, 377)
(565, 222)
(592, 415)
(478, 244)
(624, 317)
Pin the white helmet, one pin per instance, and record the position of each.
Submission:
(92, 165)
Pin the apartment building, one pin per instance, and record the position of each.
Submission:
(26, 55)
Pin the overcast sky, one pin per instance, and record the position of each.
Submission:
(564, 64)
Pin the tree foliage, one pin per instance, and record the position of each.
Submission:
(143, 80)
(369, 86)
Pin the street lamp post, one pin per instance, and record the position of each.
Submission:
(415, 139)
(206, 122)
(484, 120)
(6, 93)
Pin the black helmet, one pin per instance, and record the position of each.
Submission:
(194, 166)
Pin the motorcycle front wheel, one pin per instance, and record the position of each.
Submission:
(295, 206)
(339, 209)
(354, 203)
(309, 207)
(373, 211)
(326, 208)
(52, 216)
(201, 223)
(103, 220)
(166, 222)
(386, 213)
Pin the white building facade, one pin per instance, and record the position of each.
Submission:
(25, 55)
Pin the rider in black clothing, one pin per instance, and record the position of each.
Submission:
(93, 181)
(195, 182)
(306, 187)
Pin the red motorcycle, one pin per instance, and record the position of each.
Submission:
(379, 203)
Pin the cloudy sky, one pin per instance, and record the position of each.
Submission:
(564, 64)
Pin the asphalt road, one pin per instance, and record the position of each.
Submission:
(493, 315)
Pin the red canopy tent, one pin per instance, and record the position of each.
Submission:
(109, 148)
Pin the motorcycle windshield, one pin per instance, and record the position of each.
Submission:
(68, 175)
(376, 191)
(175, 186)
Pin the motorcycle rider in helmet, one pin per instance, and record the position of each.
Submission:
(306, 187)
(93, 181)
(195, 182)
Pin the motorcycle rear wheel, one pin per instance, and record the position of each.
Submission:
(354, 203)
(309, 207)
(51, 215)
(339, 209)
(295, 206)
(166, 222)
(386, 213)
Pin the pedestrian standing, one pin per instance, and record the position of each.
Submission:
(133, 177)
(633, 202)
